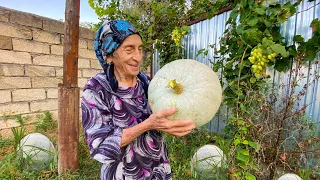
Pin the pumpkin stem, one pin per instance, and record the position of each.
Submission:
(177, 88)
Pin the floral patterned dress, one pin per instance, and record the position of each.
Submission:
(105, 114)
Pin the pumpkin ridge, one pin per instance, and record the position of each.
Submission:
(189, 75)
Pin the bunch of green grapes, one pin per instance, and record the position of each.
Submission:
(177, 36)
(260, 61)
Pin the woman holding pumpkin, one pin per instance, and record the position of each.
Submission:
(121, 131)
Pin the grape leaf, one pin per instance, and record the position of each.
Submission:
(282, 64)
(252, 21)
(260, 11)
(298, 39)
(278, 48)
(249, 176)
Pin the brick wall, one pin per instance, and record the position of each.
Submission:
(31, 64)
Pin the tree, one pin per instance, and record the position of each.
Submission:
(155, 20)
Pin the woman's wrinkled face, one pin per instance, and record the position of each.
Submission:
(127, 58)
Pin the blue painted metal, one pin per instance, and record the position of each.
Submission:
(208, 32)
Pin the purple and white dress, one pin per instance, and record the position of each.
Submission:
(105, 114)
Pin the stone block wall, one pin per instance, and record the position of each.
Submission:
(31, 64)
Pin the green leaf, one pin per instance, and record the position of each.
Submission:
(235, 174)
(214, 10)
(278, 48)
(242, 157)
(282, 64)
(311, 55)
(244, 129)
(267, 23)
(243, 108)
(217, 66)
(234, 14)
(260, 11)
(252, 21)
(252, 36)
(202, 51)
(298, 38)
(253, 80)
(245, 142)
(91, 3)
(249, 176)
(287, 4)
(244, 152)
(150, 30)
(243, 3)
(282, 18)
(254, 167)
(239, 92)
(236, 142)
(240, 29)
(292, 50)
(253, 145)
(240, 122)
(186, 28)
(250, 2)
(164, 11)
(315, 23)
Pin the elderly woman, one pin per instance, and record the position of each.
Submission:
(121, 131)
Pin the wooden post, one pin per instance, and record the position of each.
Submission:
(68, 93)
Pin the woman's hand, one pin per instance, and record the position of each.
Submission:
(159, 121)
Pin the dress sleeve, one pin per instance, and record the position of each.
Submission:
(102, 136)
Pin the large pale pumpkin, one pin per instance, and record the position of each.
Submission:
(290, 177)
(37, 150)
(207, 159)
(188, 85)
